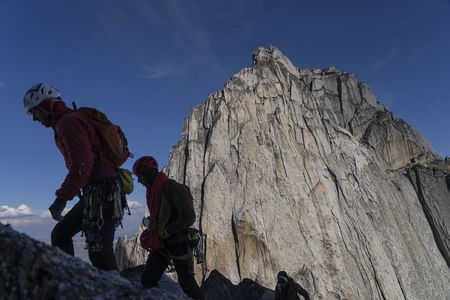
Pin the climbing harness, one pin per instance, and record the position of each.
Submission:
(195, 241)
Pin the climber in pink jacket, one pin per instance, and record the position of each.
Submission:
(78, 142)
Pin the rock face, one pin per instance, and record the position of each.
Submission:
(303, 170)
(432, 185)
(129, 253)
(33, 270)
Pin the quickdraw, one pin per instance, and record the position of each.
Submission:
(93, 195)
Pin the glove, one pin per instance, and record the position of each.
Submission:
(150, 223)
(57, 208)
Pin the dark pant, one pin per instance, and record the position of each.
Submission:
(70, 225)
(157, 263)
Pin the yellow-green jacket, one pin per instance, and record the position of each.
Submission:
(176, 214)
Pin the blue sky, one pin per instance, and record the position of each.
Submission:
(147, 63)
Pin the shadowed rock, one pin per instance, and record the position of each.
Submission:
(166, 283)
(218, 287)
(30, 269)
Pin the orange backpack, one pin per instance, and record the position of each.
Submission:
(113, 143)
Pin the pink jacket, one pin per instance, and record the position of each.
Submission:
(78, 142)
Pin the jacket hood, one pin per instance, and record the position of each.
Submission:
(59, 109)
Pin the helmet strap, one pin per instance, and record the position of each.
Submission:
(51, 107)
(49, 112)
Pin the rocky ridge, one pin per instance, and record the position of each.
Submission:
(30, 269)
(305, 171)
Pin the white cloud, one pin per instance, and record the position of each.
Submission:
(7, 212)
(26, 221)
(135, 205)
(24, 215)
(2, 84)
(39, 224)
(45, 214)
(20, 216)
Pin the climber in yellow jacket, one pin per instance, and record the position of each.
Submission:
(171, 213)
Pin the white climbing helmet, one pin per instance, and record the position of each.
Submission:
(38, 93)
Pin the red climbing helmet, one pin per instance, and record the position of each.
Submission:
(143, 163)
